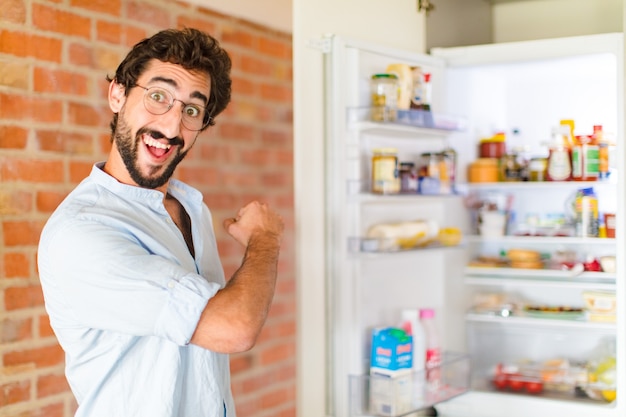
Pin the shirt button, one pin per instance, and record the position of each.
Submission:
(171, 284)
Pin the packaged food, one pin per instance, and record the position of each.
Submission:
(403, 235)
(385, 175)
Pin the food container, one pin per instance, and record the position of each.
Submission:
(494, 147)
(385, 178)
(600, 305)
(483, 170)
(385, 88)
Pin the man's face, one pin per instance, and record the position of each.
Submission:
(151, 146)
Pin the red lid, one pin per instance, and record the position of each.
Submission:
(427, 77)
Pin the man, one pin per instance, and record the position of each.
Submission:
(128, 262)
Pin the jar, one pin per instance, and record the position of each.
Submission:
(537, 169)
(385, 178)
(385, 89)
(432, 164)
(408, 178)
(483, 170)
(511, 170)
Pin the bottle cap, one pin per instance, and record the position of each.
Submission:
(427, 313)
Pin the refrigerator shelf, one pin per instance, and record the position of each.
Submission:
(410, 391)
(525, 320)
(407, 122)
(512, 275)
(390, 245)
(532, 240)
(536, 185)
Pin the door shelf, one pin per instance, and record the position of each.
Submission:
(536, 185)
(390, 245)
(407, 392)
(409, 122)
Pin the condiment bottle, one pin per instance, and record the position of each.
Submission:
(559, 159)
(585, 159)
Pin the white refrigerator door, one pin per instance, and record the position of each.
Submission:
(524, 87)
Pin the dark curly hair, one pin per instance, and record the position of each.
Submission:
(190, 48)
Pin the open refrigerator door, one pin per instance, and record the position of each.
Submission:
(408, 225)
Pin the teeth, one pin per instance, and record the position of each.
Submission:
(150, 141)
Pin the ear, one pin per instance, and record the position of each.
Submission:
(117, 96)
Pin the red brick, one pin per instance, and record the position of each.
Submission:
(17, 233)
(15, 330)
(51, 384)
(23, 297)
(108, 31)
(13, 11)
(87, 115)
(81, 55)
(15, 202)
(14, 392)
(239, 37)
(45, 330)
(241, 362)
(59, 81)
(112, 7)
(79, 170)
(277, 396)
(16, 265)
(13, 137)
(140, 11)
(48, 201)
(133, 34)
(25, 45)
(201, 24)
(39, 357)
(277, 352)
(276, 49)
(26, 108)
(31, 170)
(276, 93)
(50, 18)
(65, 142)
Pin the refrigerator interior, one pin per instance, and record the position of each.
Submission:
(368, 290)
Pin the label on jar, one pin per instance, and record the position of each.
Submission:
(385, 179)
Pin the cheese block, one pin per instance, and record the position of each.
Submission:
(403, 235)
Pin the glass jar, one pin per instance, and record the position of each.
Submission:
(385, 89)
(408, 178)
(385, 178)
(537, 169)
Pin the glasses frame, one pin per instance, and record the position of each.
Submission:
(173, 100)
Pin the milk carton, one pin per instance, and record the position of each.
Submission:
(390, 372)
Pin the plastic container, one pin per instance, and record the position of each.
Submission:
(483, 170)
(412, 325)
(432, 359)
(559, 159)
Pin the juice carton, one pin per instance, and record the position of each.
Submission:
(391, 372)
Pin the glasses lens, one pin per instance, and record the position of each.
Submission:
(193, 116)
(157, 100)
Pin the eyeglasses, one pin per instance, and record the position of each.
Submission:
(158, 100)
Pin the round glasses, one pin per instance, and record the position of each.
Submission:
(158, 100)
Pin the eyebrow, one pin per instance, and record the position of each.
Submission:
(173, 83)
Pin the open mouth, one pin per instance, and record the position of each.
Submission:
(156, 148)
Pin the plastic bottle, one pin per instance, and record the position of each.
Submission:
(559, 159)
(586, 213)
(433, 348)
(412, 325)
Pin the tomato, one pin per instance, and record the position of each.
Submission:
(516, 384)
(534, 387)
(500, 382)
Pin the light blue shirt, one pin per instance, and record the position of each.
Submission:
(124, 295)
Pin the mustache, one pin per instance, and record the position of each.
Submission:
(158, 135)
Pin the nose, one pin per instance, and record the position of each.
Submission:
(170, 122)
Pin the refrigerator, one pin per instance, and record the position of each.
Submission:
(524, 90)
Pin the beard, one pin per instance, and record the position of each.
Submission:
(127, 147)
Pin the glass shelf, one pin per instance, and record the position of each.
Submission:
(408, 392)
(407, 121)
(390, 245)
(525, 320)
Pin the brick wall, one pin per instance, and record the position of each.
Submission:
(54, 56)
